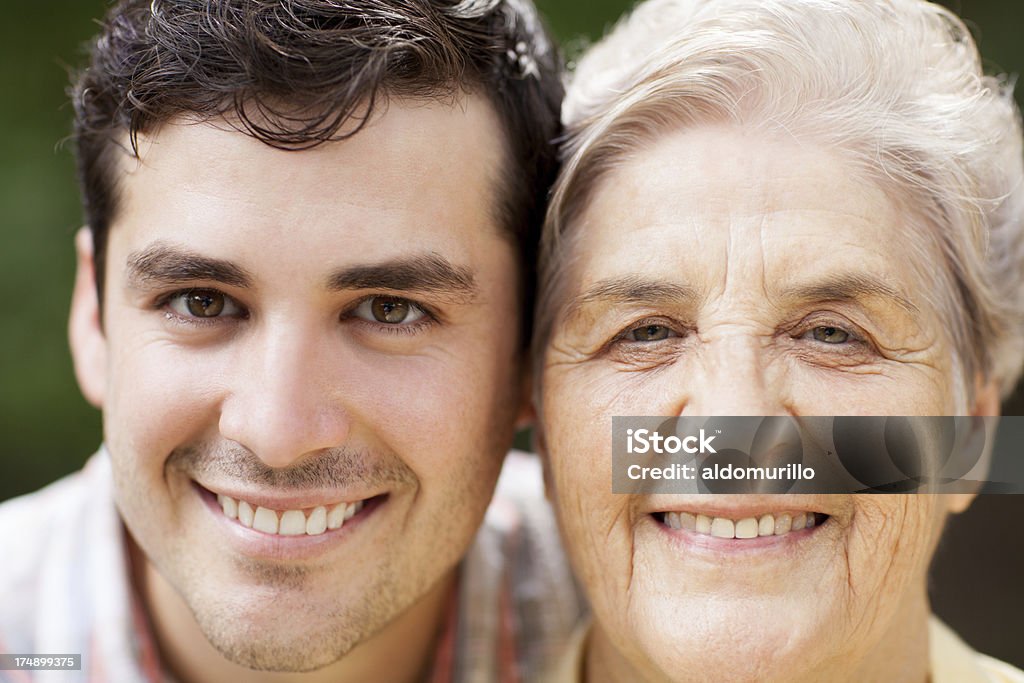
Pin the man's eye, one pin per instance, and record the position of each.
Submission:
(830, 335)
(649, 333)
(203, 303)
(389, 310)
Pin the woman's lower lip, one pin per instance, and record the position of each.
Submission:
(259, 545)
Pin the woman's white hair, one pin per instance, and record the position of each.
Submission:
(895, 85)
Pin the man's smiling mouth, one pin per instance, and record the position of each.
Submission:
(312, 522)
(309, 521)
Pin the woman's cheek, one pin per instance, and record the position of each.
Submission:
(900, 528)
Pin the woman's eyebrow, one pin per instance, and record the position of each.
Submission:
(636, 289)
(849, 287)
(633, 289)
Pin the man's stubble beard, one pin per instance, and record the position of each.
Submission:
(287, 642)
(396, 581)
(395, 585)
(344, 626)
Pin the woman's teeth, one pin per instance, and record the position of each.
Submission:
(289, 522)
(748, 527)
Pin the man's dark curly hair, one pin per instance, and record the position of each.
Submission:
(297, 73)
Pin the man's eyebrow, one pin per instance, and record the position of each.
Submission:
(849, 287)
(165, 264)
(425, 273)
(633, 289)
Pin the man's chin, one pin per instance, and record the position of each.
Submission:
(285, 647)
(283, 625)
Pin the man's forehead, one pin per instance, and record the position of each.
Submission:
(464, 122)
(421, 178)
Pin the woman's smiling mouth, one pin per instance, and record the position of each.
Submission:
(748, 527)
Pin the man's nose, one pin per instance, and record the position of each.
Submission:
(732, 376)
(283, 401)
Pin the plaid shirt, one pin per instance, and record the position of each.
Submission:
(65, 589)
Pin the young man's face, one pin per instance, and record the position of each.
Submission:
(317, 335)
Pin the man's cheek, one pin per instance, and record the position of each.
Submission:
(161, 393)
(433, 397)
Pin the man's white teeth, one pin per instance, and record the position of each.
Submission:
(230, 506)
(293, 523)
(245, 513)
(289, 522)
(265, 521)
(317, 522)
(336, 517)
(748, 527)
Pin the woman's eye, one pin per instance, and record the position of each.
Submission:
(204, 303)
(649, 333)
(389, 310)
(830, 335)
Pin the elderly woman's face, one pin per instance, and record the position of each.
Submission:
(722, 273)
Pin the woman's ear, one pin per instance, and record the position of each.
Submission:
(986, 397)
(85, 329)
(986, 404)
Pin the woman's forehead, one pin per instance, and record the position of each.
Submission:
(714, 209)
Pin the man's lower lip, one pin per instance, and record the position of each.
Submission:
(257, 544)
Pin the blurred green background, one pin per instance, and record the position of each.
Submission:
(47, 429)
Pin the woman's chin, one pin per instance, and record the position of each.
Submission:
(748, 609)
(739, 640)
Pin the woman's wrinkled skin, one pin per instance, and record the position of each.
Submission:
(725, 272)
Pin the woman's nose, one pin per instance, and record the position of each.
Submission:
(731, 376)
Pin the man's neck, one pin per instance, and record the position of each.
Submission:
(402, 652)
